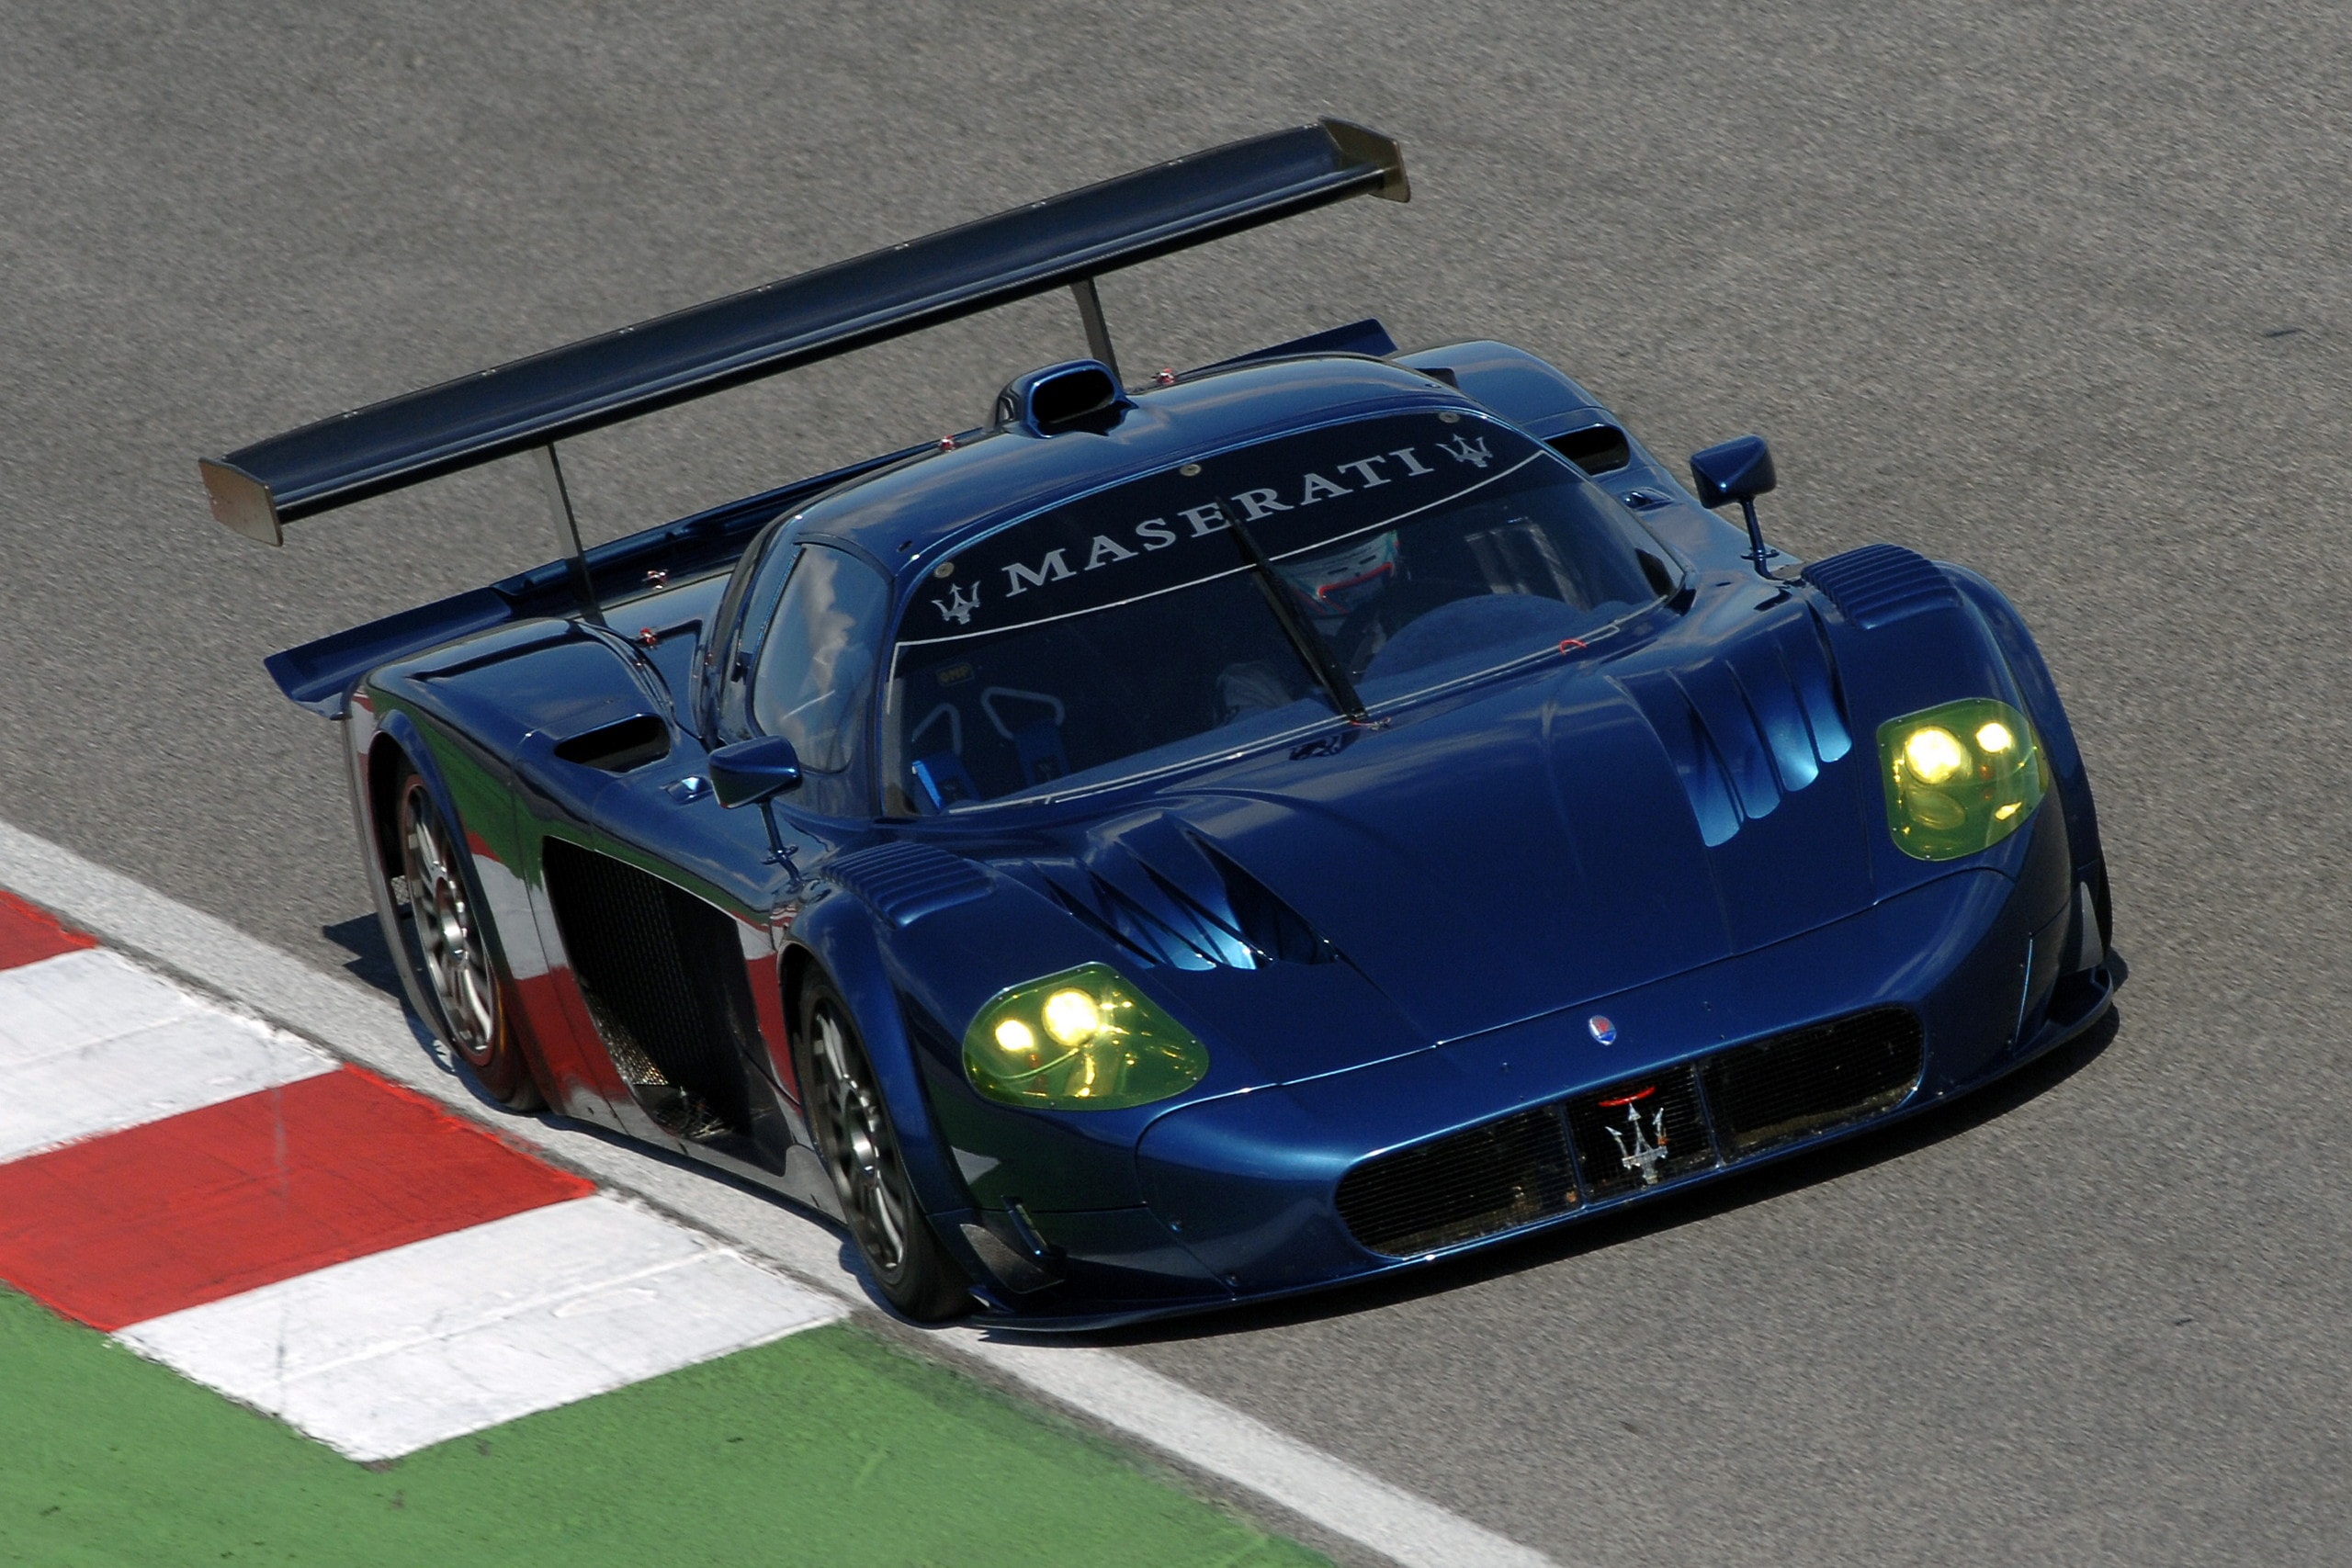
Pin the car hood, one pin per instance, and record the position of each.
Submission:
(1485, 861)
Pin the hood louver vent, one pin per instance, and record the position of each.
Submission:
(1234, 921)
(1760, 725)
(903, 882)
(1878, 584)
(1272, 928)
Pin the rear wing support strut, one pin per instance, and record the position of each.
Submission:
(1098, 331)
(567, 528)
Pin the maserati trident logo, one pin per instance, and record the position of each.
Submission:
(1601, 1029)
(1642, 1152)
(1463, 450)
(959, 604)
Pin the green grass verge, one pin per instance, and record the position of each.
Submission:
(826, 1448)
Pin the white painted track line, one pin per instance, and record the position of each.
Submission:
(525, 1314)
(92, 1043)
(1188, 1426)
(1220, 1439)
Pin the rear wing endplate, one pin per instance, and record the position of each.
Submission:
(534, 402)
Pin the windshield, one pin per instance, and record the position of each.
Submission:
(1230, 600)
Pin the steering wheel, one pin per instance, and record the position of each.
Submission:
(1390, 614)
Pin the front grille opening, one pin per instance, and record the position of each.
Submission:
(1472, 1183)
(1640, 1132)
(1809, 1080)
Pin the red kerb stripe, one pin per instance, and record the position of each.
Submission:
(28, 936)
(224, 1199)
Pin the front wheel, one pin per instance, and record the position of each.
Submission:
(860, 1150)
(448, 948)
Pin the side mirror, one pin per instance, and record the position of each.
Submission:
(1739, 470)
(751, 771)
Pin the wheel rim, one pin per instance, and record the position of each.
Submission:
(860, 1155)
(457, 961)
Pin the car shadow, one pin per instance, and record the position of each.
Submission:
(1704, 1202)
(371, 963)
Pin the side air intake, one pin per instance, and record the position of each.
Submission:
(662, 974)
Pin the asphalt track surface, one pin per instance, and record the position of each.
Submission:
(2057, 292)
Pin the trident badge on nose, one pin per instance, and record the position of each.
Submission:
(1640, 1155)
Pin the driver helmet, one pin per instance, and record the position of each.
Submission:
(1335, 581)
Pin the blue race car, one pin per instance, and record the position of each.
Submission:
(1201, 838)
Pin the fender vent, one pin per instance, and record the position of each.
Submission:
(903, 882)
(1880, 584)
(617, 748)
(1597, 449)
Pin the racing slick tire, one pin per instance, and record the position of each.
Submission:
(445, 931)
(860, 1151)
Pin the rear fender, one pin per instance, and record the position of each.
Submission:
(485, 824)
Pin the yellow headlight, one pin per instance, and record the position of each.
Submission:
(1112, 1047)
(1936, 756)
(1015, 1037)
(1960, 777)
(1072, 1017)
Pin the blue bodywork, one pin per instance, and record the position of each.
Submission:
(1644, 854)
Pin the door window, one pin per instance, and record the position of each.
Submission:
(813, 673)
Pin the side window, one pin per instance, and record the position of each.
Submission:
(814, 672)
(756, 589)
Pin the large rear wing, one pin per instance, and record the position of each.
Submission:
(1065, 240)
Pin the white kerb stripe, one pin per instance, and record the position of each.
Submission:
(390, 1353)
(1215, 1438)
(77, 998)
(92, 1043)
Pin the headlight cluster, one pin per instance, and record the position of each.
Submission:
(1082, 1040)
(1960, 777)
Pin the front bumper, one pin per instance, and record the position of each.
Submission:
(1249, 1185)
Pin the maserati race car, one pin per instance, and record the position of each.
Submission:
(1198, 839)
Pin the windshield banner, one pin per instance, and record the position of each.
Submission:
(1170, 530)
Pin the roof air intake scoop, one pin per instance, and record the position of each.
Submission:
(1080, 394)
